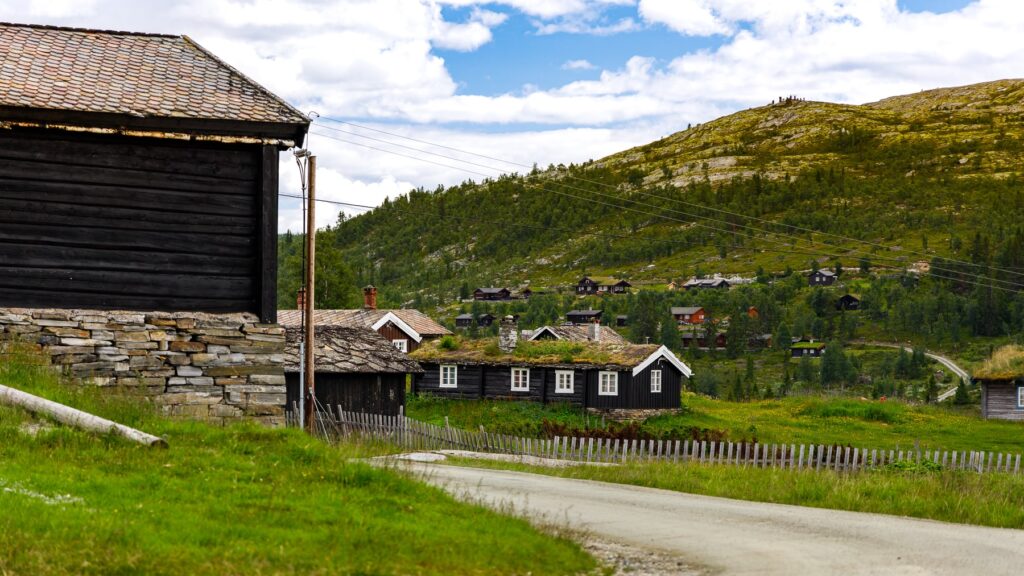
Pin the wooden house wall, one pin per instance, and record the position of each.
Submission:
(370, 393)
(111, 222)
(391, 332)
(640, 395)
(468, 382)
(999, 401)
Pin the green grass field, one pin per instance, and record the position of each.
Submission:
(961, 497)
(796, 420)
(232, 500)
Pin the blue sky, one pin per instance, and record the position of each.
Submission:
(491, 76)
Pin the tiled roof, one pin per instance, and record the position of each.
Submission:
(143, 75)
(349, 350)
(418, 321)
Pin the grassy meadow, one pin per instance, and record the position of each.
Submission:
(792, 420)
(238, 499)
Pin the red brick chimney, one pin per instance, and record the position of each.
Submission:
(300, 299)
(370, 298)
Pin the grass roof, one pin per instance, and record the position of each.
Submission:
(1006, 363)
(809, 345)
(540, 353)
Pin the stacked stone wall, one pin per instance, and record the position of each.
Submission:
(215, 367)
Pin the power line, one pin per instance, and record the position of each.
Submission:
(678, 200)
(795, 239)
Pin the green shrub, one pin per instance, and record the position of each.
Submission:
(890, 413)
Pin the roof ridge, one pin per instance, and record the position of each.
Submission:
(89, 30)
(245, 77)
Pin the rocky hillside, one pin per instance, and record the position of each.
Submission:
(924, 175)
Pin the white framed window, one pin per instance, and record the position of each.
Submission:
(520, 379)
(449, 376)
(655, 381)
(564, 381)
(1020, 396)
(608, 384)
(402, 345)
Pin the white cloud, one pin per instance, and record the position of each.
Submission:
(376, 60)
(578, 65)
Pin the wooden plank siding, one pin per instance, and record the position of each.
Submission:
(391, 332)
(999, 401)
(369, 393)
(103, 221)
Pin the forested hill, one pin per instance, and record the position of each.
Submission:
(926, 175)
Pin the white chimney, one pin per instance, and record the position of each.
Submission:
(595, 330)
(508, 334)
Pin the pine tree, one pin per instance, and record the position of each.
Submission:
(931, 390)
(961, 396)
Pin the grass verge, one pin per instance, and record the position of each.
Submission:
(238, 499)
(950, 496)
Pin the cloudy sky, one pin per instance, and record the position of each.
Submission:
(552, 81)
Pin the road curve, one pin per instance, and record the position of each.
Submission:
(736, 537)
(960, 372)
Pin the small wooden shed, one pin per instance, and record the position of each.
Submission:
(356, 368)
(1002, 384)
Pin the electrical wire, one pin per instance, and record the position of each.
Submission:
(795, 239)
(649, 194)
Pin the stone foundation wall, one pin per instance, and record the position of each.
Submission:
(214, 367)
(627, 414)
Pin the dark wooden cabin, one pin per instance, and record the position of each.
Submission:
(848, 302)
(485, 320)
(464, 320)
(356, 368)
(601, 376)
(587, 286)
(706, 283)
(1002, 384)
(807, 348)
(581, 317)
(137, 172)
(621, 287)
(621, 321)
(821, 278)
(492, 294)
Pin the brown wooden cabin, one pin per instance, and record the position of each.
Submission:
(485, 320)
(405, 328)
(356, 368)
(621, 287)
(464, 320)
(706, 283)
(690, 315)
(626, 376)
(492, 294)
(1002, 384)
(137, 172)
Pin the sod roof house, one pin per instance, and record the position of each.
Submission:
(588, 374)
(1002, 384)
(138, 208)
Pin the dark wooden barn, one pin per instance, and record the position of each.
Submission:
(356, 368)
(1002, 384)
(146, 178)
(602, 376)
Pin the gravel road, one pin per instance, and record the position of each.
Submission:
(721, 536)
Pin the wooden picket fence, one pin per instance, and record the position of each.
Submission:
(414, 435)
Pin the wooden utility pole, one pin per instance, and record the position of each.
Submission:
(310, 384)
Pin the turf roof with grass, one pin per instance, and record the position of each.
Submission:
(541, 353)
